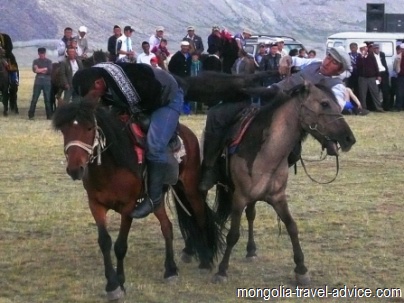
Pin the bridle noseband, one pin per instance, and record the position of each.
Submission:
(98, 144)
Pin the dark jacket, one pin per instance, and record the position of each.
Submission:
(367, 66)
(112, 48)
(180, 65)
(383, 60)
(215, 44)
(270, 63)
(196, 43)
(212, 63)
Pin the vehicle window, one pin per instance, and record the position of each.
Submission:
(289, 47)
(386, 47)
(250, 49)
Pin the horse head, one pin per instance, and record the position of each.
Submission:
(83, 139)
(320, 116)
(98, 56)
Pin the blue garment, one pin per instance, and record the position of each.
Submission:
(349, 106)
(163, 124)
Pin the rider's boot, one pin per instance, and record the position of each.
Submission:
(155, 178)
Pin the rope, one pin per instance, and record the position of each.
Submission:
(312, 179)
(180, 202)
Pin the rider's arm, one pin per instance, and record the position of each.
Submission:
(339, 93)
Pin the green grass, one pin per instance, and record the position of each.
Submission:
(350, 230)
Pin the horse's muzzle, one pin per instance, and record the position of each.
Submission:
(75, 174)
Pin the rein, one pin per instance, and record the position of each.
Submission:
(99, 141)
(314, 180)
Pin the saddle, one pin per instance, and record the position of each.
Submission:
(137, 130)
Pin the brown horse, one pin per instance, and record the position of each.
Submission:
(258, 170)
(100, 152)
(57, 88)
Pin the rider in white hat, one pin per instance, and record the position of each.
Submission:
(82, 43)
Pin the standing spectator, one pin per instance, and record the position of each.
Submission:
(180, 65)
(196, 65)
(161, 53)
(213, 63)
(281, 44)
(124, 47)
(399, 69)
(67, 70)
(261, 53)
(82, 43)
(368, 72)
(196, 44)
(156, 38)
(270, 62)
(302, 53)
(352, 81)
(113, 55)
(215, 42)
(241, 38)
(244, 64)
(393, 78)
(42, 67)
(146, 55)
(384, 76)
(312, 54)
(64, 43)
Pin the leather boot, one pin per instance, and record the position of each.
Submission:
(155, 178)
(212, 148)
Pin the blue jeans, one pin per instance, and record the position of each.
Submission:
(163, 124)
(45, 88)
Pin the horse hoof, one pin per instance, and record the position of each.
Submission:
(116, 294)
(171, 280)
(204, 271)
(5, 114)
(186, 258)
(251, 259)
(219, 279)
(303, 279)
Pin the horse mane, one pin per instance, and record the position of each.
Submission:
(119, 145)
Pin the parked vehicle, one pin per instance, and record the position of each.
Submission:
(252, 43)
(386, 41)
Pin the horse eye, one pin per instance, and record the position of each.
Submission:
(324, 104)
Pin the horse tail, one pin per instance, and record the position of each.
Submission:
(223, 203)
(207, 241)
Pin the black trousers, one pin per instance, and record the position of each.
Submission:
(384, 87)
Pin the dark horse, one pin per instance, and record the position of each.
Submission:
(56, 87)
(259, 168)
(99, 150)
(8, 89)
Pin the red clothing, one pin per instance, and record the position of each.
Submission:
(162, 49)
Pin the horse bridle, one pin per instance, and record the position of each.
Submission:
(99, 144)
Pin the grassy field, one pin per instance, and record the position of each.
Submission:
(351, 230)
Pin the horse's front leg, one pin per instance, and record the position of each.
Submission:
(282, 209)
(5, 97)
(121, 247)
(171, 270)
(113, 287)
(251, 246)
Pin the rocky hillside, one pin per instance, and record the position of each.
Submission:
(311, 21)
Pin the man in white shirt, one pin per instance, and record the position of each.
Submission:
(146, 55)
(156, 38)
(124, 47)
(82, 43)
(281, 43)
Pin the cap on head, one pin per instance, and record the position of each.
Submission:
(216, 28)
(83, 29)
(341, 56)
(279, 40)
(116, 26)
(362, 45)
(402, 45)
(376, 46)
(190, 28)
(247, 31)
(184, 43)
(160, 29)
(128, 28)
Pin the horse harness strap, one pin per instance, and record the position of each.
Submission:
(99, 141)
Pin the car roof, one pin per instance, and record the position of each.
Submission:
(271, 38)
(366, 35)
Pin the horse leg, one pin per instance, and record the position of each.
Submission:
(121, 247)
(13, 89)
(251, 247)
(231, 239)
(282, 209)
(113, 287)
(5, 98)
(171, 270)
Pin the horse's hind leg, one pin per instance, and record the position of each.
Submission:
(121, 247)
(238, 205)
(5, 97)
(171, 270)
(113, 287)
(251, 247)
(282, 209)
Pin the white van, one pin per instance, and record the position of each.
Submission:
(387, 42)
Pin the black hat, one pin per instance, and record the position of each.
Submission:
(41, 50)
(128, 28)
(116, 26)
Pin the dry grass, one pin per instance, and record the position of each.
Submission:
(350, 230)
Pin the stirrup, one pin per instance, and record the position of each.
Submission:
(143, 209)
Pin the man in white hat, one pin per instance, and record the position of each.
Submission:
(241, 37)
(281, 43)
(82, 43)
(194, 40)
(156, 38)
(180, 63)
